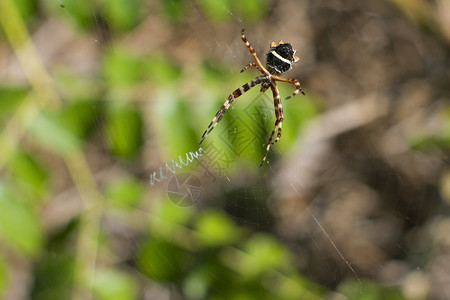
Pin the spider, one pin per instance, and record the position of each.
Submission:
(279, 60)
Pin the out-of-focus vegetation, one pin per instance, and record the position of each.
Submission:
(95, 96)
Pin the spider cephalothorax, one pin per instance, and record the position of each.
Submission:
(279, 59)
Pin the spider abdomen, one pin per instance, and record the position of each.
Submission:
(280, 58)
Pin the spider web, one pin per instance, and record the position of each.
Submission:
(307, 196)
(248, 199)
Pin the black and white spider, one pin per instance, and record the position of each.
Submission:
(279, 60)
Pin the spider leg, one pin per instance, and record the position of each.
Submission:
(279, 111)
(298, 88)
(221, 112)
(295, 82)
(278, 121)
(252, 64)
(253, 52)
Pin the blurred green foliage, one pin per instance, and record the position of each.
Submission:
(222, 10)
(215, 259)
(215, 229)
(434, 141)
(20, 226)
(123, 15)
(47, 129)
(367, 290)
(27, 9)
(121, 68)
(162, 260)
(54, 270)
(115, 285)
(124, 193)
(14, 95)
(30, 176)
(124, 128)
(4, 278)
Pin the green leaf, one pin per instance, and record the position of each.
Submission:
(216, 10)
(160, 260)
(124, 192)
(27, 8)
(175, 118)
(215, 229)
(121, 68)
(10, 98)
(439, 139)
(4, 277)
(174, 10)
(167, 212)
(168, 218)
(161, 69)
(251, 10)
(124, 128)
(265, 253)
(196, 284)
(75, 87)
(367, 290)
(30, 176)
(294, 286)
(80, 12)
(123, 14)
(426, 142)
(114, 285)
(79, 117)
(53, 275)
(50, 132)
(19, 224)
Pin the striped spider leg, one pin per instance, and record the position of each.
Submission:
(279, 60)
(221, 112)
(278, 120)
(298, 88)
